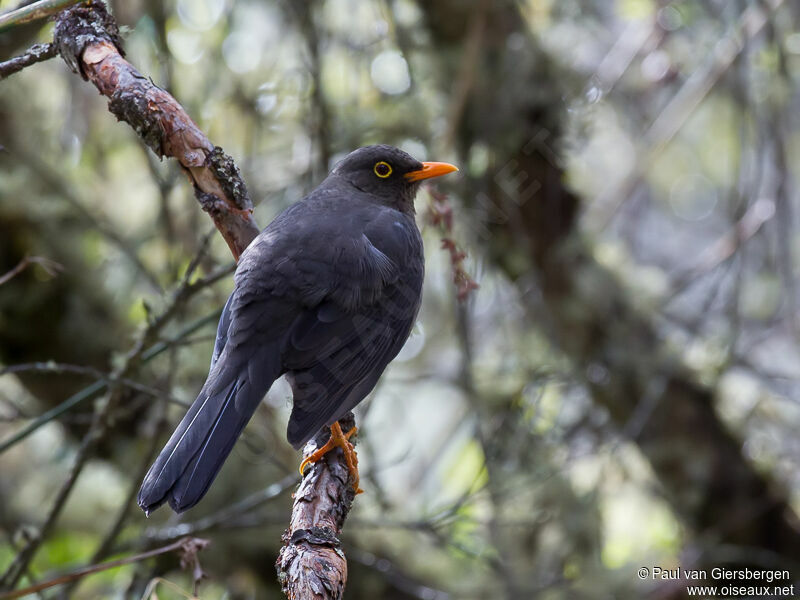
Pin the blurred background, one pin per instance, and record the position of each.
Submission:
(620, 392)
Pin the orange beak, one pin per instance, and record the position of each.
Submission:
(431, 169)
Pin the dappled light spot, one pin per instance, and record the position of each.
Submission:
(200, 15)
(693, 197)
(185, 45)
(389, 73)
(241, 51)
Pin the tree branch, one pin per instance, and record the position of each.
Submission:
(32, 12)
(88, 40)
(34, 54)
(311, 564)
(188, 548)
(51, 267)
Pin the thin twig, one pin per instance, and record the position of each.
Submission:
(106, 545)
(52, 414)
(54, 367)
(188, 548)
(51, 267)
(20, 563)
(33, 12)
(34, 54)
(225, 515)
(99, 386)
(440, 214)
(762, 211)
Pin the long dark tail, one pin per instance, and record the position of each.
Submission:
(194, 454)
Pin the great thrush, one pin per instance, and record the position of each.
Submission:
(326, 294)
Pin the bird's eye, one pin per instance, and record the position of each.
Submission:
(382, 169)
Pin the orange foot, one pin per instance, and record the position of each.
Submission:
(341, 440)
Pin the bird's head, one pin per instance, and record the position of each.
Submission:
(388, 173)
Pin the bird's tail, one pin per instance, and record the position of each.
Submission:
(194, 454)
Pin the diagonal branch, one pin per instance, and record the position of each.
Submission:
(187, 547)
(32, 12)
(34, 54)
(88, 40)
(50, 266)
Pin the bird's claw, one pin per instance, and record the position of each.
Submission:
(340, 440)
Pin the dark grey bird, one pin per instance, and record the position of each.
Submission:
(327, 294)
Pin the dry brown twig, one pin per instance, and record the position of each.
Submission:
(51, 267)
(188, 548)
(440, 215)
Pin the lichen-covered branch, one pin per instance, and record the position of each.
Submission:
(88, 40)
(34, 54)
(311, 564)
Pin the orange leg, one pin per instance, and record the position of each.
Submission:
(340, 440)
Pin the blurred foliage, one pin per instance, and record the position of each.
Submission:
(489, 469)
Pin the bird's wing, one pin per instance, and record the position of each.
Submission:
(222, 332)
(335, 358)
(337, 350)
(341, 299)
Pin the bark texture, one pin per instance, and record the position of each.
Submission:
(311, 564)
(37, 53)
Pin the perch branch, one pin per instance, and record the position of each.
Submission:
(311, 564)
(88, 40)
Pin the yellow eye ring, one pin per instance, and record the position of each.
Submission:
(382, 169)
